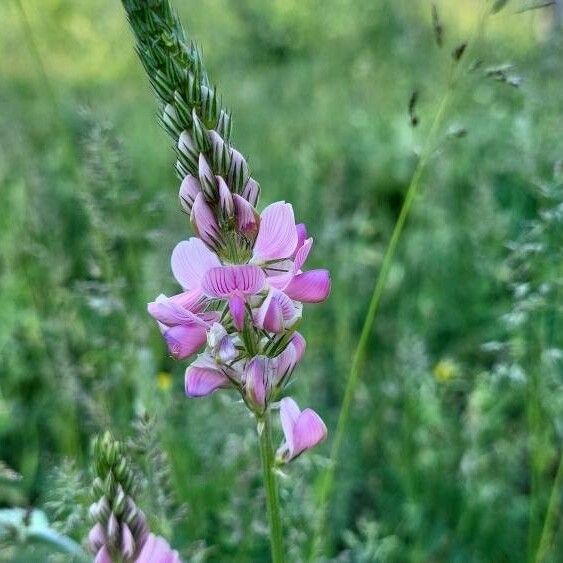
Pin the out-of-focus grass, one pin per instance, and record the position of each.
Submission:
(456, 433)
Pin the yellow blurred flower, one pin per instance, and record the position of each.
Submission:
(164, 380)
(445, 370)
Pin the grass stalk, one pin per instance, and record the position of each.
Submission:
(327, 481)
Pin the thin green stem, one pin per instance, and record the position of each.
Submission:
(547, 530)
(354, 374)
(271, 487)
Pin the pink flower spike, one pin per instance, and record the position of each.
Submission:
(204, 222)
(277, 236)
(203, 377)
(184, 340)
(157, 550)
(247, 222)
(303, 430)
(189, 188)
(309, 287)
(191, 259)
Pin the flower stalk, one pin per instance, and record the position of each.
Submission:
(271, 487)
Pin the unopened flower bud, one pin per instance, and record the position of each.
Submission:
(251, 192)
(238, 172)
(246, 216)
(207, 179)
(189, 189)
(221, 153)
(256, 380)
(225, 198)
(187, 150)
(112, 530)
(171, 121)
(224, 125)
(199, 133)
(96, 538)
(127, 542)
(204, 222)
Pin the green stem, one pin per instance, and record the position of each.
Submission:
(271, 487)
(354, 374)
(547, 530)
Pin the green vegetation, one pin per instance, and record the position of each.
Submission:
(454, 445)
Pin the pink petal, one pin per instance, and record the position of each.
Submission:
(300, 345)
(103, 556)
(302, 254)
(301, 234)
(276, 308)
(204, 221)
(308, 431)
(277, 236)
(285, 363)
(191, 259)
(189, 188)
(237, 307)
(246, 215)
(227, 280)
(309, 287)
(127, 542)
(185, 340)
(202, 381)
(207, 178)
(169, 312)
(289, 413)
(256, 380)
(96, 538)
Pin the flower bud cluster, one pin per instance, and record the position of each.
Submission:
(119, 531)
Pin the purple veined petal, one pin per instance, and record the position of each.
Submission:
(309, 287)
(224, 281)
(280, 281)
(202, 381)
(237, 307)
(191, 259)
(302, 254)
(285, 363)
(103, 556)
(225, 197)
(189, 188)
(276, 309)
(185, 340)
(289, 413)
(251, 192)
(256, 380)
(308, 431)
(247, 222)
(127, 542)
(169, 312)
(96, 537)
(300, 345)
(204, 221)
(301, 234)
(277, 236)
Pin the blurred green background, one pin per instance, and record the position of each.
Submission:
(453, 452)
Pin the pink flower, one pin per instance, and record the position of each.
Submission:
(157, 550)
(302, 430)
(204, 376)
(234, 283)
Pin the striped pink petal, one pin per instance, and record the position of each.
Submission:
(189, 189)
(276, 309)
(203, 377)
(191, 259)
(302, 429)
(247, 222)
(302, 254)
(170, 312)
(309, 287)
(256, 380)
(185, 340)
(225, 281)
(204, 221)
(277, 236)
